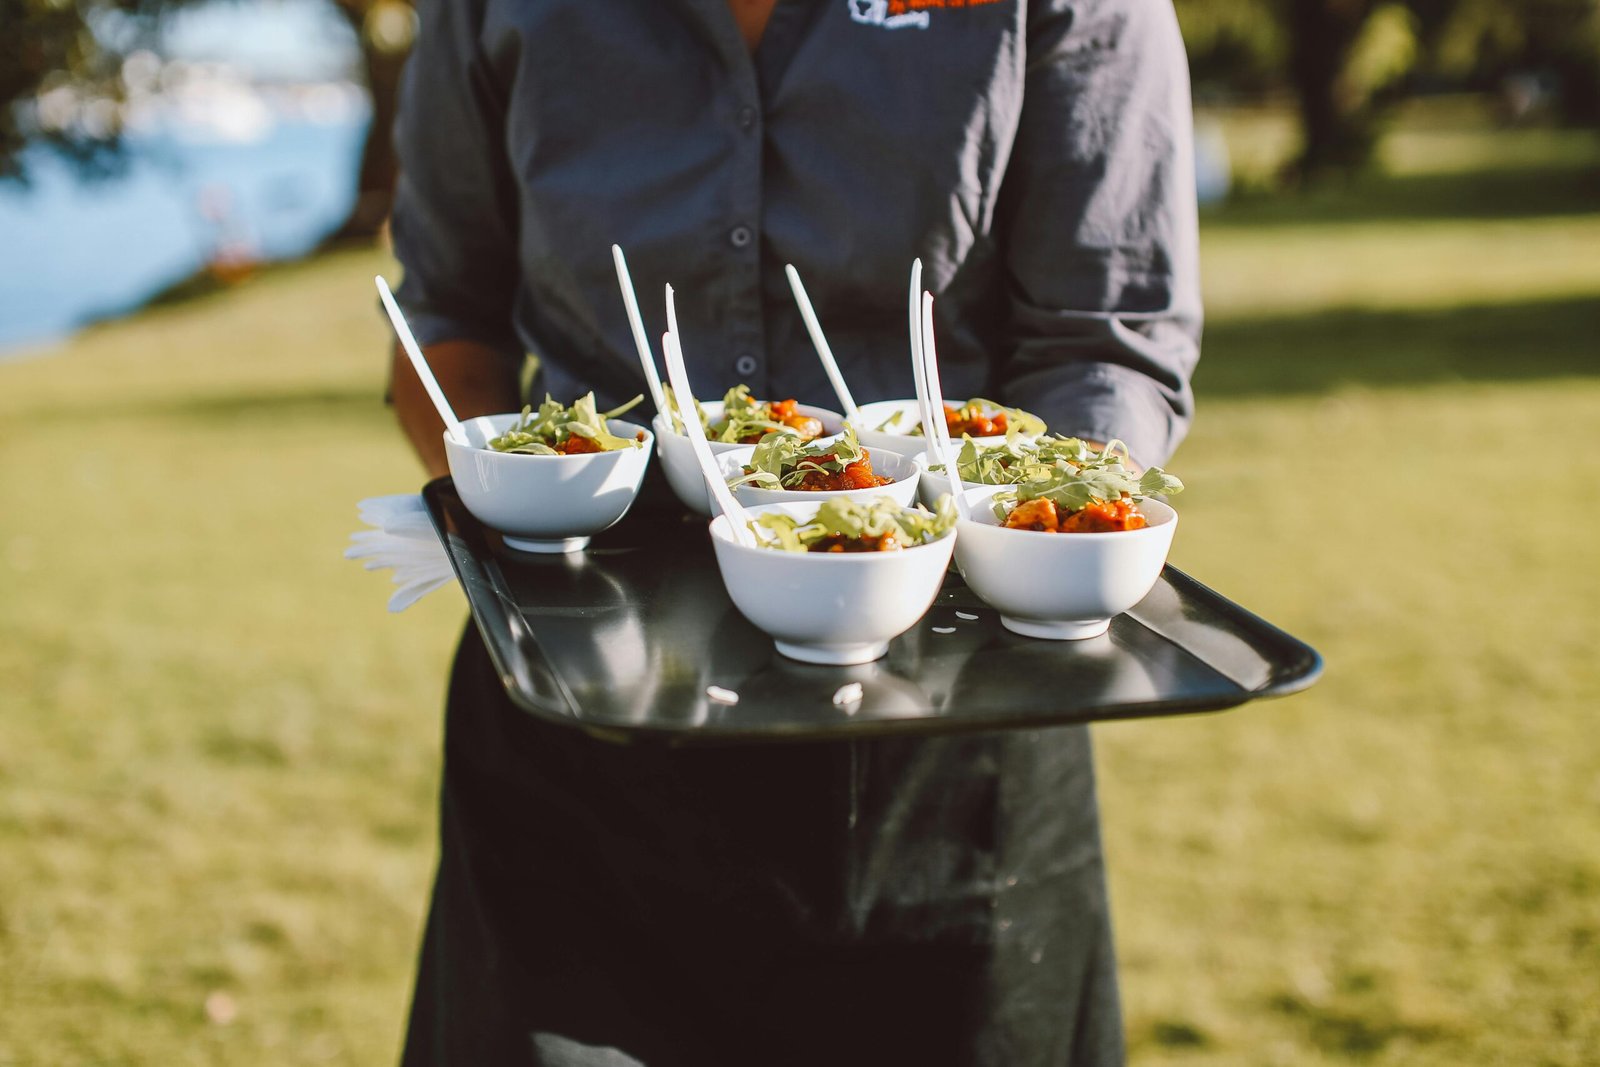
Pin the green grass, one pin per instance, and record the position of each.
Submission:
(218, 754)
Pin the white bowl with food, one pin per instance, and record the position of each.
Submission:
(932, 484)
(546, 502)
(1060, 586)
(1002, 462)
(900, 474)
(843, 598)
(896, 425)
(677, 457)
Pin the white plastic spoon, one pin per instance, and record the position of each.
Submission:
(820, 342)
(640, 340)
(738, 519)
(918, 376)
(939, 433)
(409, 343)
(914, 310)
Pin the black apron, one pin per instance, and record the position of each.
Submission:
(890, 901)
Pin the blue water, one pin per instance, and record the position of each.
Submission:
(75, 250)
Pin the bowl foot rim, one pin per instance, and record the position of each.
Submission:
(1074, 630)
(553, 546)
(834, 655)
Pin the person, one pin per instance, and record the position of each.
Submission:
(930, 901)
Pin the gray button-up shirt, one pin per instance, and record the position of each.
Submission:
(1034, 153)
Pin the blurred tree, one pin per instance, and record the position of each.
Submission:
(386, 29)
(1532, 52)
(58, 86)
(1348, 59)
(1236, 47)
(62, 83)
(1344, 61)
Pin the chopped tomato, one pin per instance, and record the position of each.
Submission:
(1033, 515)
(840, 543)
(578, 445)
(857, 475)
(807, 427)
(978, 425)
(1104, 518)
(1097, 517)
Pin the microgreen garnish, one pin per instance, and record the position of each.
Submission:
(1018, 422)
(842, 517)
(782, 460)
(543, 432)
(1015, 461)
(1103, 477)
(677, 420)
(743, 417)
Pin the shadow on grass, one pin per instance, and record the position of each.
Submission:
(1508, 193)
(1327, 350)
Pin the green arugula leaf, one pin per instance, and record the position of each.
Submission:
(782, 460)
(677, 420)
(842, 517)
(1018, 422)
(743, 416)
(542, 433)
(1096, 477)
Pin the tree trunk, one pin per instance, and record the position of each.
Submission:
(379, 164)
(1336, 120)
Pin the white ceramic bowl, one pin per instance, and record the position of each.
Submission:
(677, 457)
(830, 607)
(904, 471)
(932, 484)
(545, 503)
(900, 439)
(1064, 587)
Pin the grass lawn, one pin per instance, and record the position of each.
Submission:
(218, 754)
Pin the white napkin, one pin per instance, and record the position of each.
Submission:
(404, 539)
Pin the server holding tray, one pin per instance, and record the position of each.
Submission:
(929, 900)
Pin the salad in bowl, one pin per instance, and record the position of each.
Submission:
(834, 581)
(784, 469)
(549, 479)
(896, 425)
(736, 421)
(1064, 550)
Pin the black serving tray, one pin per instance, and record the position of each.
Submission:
(635, 639)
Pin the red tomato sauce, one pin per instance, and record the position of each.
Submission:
(1098, 517)
(786, 413)
(978, 425)
(840, 543)
(857, 475)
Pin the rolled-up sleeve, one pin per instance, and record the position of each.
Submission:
(1099, 230)
(455, 216)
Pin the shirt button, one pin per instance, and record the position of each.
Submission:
(740, 236)
(746, 117)
(745, 365)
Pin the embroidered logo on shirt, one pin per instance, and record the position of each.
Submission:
(898, 14)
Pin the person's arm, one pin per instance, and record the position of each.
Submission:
(1098, 220)
(455, 221)
(476, 378)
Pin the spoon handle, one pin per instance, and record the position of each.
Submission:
(418, 361)
(678, 374)
(630, 301)
(924, 415)
(937, 432)
(820, 342)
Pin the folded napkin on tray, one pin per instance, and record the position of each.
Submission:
(403, 539)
